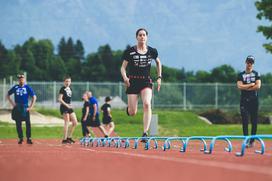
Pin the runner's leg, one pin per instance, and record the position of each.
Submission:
(111, 127)
(132, 104)
(73, 119)
(146, 95)
(66, 119)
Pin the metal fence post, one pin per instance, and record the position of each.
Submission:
(184, 95)
(10, 81)
(216, 95)
(4, 93)
(87, 86)
(25, 74)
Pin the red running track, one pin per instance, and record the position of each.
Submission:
(49, 160)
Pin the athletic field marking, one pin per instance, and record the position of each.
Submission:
(217, 164)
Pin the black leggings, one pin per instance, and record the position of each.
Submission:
(249, 107)
(85, 130)
(19, 126)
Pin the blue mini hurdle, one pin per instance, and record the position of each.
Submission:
(124, 142)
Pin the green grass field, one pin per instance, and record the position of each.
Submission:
(171, 123)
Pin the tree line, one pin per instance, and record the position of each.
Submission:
(43, 62)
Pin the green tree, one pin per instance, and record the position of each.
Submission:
(13, 66)
(203, 76)
(265, 12)
(73, 67)
(223, 74)
(94, 69)
(27, 58)
(71, 54)
(70, 50)
(190, 76)
(57, 69)
(79, 51)
(3, 60)
(43, 52)
(182, 75)
(66, 49)
(117, 59)
(105, 55)
(168, 74)
(62, 48)
(267, 78)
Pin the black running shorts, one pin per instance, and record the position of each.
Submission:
(137, 85)
(65, 110)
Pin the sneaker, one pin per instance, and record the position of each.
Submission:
(70, 140)
(144, 140)
(29, 141)
(20, 141)
(64, 141)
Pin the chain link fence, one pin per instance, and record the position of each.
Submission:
(187, 96)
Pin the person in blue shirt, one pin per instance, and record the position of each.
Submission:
(21, 109)
(94, 113)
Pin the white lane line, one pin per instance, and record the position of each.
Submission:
(206, 163)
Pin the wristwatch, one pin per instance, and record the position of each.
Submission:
(159, 77)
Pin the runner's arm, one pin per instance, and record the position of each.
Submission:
(124, 73)
(242, 86)
(33, 100)
(10, 100)
(95, 111)
(159, 72)
(87, 113)
(109, 111)
(62, 102)
(256, 86)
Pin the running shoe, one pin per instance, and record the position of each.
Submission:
(70, 140)
(144, 139)
(20, 141)
(29, 141)
(64, 141)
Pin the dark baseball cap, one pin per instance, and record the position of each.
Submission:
(250, 59)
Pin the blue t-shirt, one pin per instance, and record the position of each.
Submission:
(92, 102)
(21, 93)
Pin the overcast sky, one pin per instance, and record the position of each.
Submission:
(194, 34)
